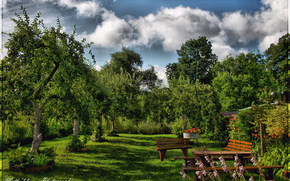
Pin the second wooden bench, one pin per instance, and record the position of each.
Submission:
(236, 145)
(168, 144)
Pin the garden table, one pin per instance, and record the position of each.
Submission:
(241, 155)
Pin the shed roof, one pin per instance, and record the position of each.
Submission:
(230, 114)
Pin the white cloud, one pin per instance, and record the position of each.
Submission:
(112, 32)
(266, 22)
(161, 74)
(171, 27)
(84, 8)
(268, 40)
(97, 67)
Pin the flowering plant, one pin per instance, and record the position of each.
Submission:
(192, 130)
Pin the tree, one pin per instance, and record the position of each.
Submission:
(195, 61)
(239, 79)
(277, 60)
(196, 104)
(123, 90)
(131, 62)
(34, 58)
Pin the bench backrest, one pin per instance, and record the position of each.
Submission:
(178, 142)
(239, 145)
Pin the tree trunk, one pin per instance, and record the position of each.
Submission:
(76, 128)
(37, 137)
(184, 124)
(99, 136)
(112, 128)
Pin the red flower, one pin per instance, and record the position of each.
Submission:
(245, 113)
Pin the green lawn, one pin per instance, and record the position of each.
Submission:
(128, 157)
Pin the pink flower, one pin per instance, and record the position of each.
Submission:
(215, 173)
(236, 158)
(235, 174)
(183, 176)
(241, 168)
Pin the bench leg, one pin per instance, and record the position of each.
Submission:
(270, 174)
(161, 154)
(184, 151)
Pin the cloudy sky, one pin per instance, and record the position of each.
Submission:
(157, 28)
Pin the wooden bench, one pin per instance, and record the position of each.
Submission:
(248, 168)
(169, 144)
(235, 145)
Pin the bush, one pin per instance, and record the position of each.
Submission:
(220, 132)
(40, 158)
(244, 125)
(66, 128)
(127, 126)
(177, 128)
(76, 144)
(19, 131)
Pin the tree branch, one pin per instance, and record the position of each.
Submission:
(38, 90)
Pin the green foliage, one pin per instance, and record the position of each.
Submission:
(16, 132)
(196, 103)
(220, 130)
(76, 144)
(238, 80)
(38, 158)
(244, 125)
(177, 128)
(15, 156)
(276, 156)
(277, 59)
(43, 64)
(53, 127)
(150, 128)
(128, 126)
(130, 62)
(195, 61)
(277, 119)
(49, 152)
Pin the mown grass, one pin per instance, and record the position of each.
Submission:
(128, 157)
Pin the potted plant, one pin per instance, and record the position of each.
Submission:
(191, 133)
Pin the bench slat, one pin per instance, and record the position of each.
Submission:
(167, 146)
(244, 142)
(229, 149)
(170, 148)
(230, 146)
(177, 142)
(246, 146)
